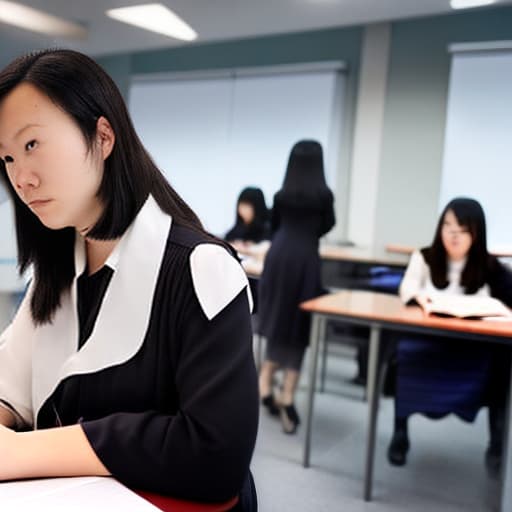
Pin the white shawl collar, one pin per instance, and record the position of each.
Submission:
(123, 319)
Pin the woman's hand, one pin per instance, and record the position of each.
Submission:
(423, 300)
(240, 246)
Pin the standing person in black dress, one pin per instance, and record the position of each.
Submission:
(131, 353)
(252, 218)
(303, 211)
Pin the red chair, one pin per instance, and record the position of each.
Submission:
(168, 504)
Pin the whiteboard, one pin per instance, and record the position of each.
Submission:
(478, 140)
(214, 136)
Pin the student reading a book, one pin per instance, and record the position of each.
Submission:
(435, 376)
(131, 353)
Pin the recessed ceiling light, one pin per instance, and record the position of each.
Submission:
(466, 4)
(156, 18)
(38, 21)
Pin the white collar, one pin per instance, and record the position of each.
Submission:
(123, 319)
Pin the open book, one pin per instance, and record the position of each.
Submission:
(467, 306)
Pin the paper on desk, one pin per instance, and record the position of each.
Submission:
(81, 494)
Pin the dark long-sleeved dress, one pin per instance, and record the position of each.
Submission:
(291, 275)
(152, 355)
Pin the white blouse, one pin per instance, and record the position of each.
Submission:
(417, 280)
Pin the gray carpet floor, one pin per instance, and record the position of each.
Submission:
(444, 472)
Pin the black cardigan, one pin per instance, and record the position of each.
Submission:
(180, 417)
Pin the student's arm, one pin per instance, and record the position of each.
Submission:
(414, 280)
(55, 452)
(275, 216)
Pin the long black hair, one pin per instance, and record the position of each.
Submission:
(258, 229)
(80, 87)
(470, 215)
(304, 182)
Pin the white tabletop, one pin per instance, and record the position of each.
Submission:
(81, 494)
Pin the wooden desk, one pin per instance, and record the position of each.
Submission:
(378, 311)
(409, 249)
(363, 255)
(254, 261)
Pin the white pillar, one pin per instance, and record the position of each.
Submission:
(364, 174)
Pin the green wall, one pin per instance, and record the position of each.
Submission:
(415, 115)
(322, 45)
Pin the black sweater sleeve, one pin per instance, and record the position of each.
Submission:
(203, 451)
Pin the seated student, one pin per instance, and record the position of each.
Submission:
(252, 218)
(436, 376)
(131, 353)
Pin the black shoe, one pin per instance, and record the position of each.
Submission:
(289, 419)
(358, 380)
(398, 448)
(493, 461)
(269, 402)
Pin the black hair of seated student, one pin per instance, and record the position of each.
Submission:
(259, 228)
(470, 215)
(130, 173)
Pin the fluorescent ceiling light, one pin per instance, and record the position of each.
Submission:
(466, 4)
(38, 21)
(156, 18)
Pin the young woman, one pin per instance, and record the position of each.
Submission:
(437, 377)
(131, 353)
(303, 212)
(252, 218)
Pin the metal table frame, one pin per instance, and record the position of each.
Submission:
(318, 324)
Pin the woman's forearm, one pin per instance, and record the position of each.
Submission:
(63, 451)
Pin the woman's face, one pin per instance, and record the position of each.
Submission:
(246, 212)
(457, 239)
(48, 162)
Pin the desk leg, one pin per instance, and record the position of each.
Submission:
(373, 406)
(506, 472)
(317, 322)
(322, 338)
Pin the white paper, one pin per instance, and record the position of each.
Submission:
(81, 494)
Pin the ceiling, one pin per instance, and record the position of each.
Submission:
(214, 20)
